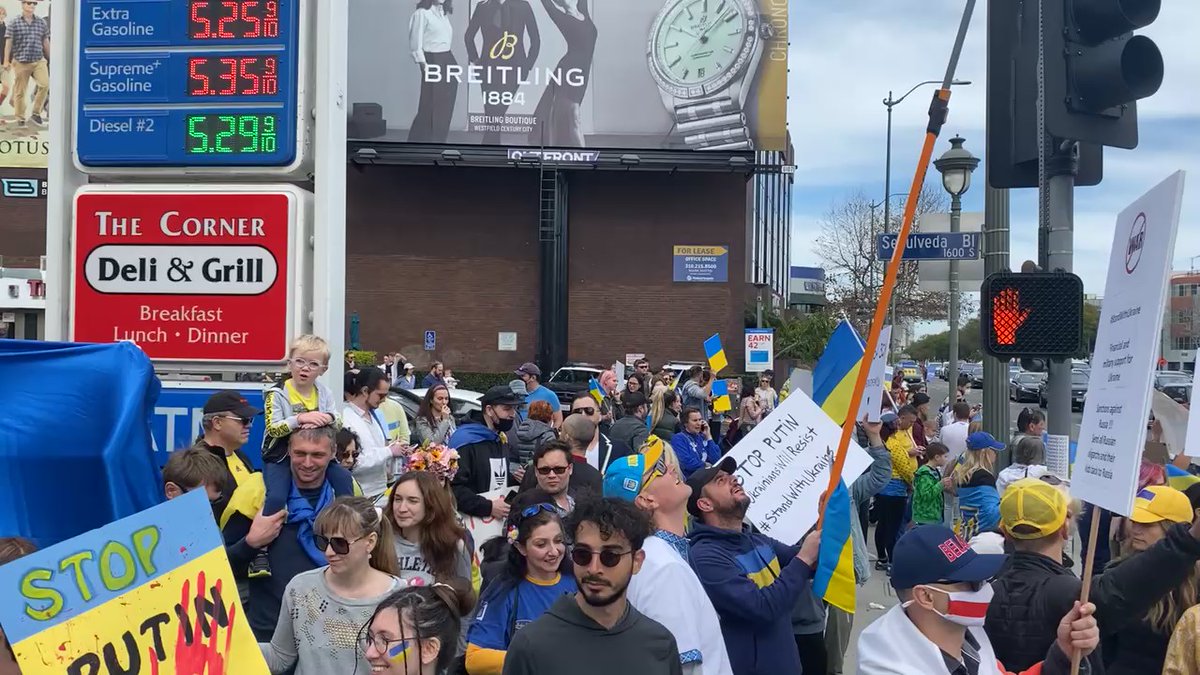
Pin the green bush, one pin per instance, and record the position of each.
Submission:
(363, 357)
(481, 382)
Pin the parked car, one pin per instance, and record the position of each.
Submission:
(912, 371)
(1180, 393)
(1079, 385)
(570, 380)
(1025, 387)
(1163, 378)
(462, 402)
(974, 373)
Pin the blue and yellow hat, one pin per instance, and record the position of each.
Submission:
(627, 476)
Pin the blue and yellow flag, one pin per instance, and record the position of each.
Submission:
(720, 396)
(836, 371)
(595, 391)
(1180, 479)
(715, 353)
(833, 579)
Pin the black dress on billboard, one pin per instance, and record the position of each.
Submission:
(504, 25)
(558, 111)
(429, 39)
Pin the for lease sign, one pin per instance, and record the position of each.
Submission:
(198, 275)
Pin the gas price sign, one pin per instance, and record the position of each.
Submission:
(188, 83)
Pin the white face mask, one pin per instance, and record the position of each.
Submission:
(966, 608)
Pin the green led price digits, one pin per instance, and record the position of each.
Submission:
(231, 134)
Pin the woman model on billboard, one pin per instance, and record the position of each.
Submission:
(558, 111)
(430, 36)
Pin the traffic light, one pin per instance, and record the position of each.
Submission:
(1012, 132)
(1036, 314)
(1097, 69)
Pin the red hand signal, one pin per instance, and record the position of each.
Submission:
(1007, 316)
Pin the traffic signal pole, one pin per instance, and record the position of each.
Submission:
(995, 259)
(1061, 167)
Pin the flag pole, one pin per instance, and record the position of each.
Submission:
(938, 111)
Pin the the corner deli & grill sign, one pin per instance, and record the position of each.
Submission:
(187, 276)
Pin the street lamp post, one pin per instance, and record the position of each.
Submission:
(891, 102)
(956, 166)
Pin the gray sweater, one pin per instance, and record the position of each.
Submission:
(318, 630)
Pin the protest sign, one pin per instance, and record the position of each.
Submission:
(872, 401)
(784, 465)
(1058, 454)
(148, 594)
(482, 529)
(1113, 431)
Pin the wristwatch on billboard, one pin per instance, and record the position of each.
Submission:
(703, 55)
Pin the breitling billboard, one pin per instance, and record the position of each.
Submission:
(655, 74)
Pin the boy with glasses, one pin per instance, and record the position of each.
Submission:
(299, 402)
(596, 631)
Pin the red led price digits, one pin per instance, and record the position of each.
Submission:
(233, 19)
(233, 76)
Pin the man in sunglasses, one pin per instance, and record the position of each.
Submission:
(600, 631)
(754, 581)
(226, 427)
(937, 629)
(666, 589)
(599, 449)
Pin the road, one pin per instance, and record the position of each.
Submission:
(877, 596)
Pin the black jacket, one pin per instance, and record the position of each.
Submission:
(477, 447)
(667, 426)
(630, 431)
(1033, 593)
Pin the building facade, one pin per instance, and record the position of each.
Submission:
(1181, 322)
(807, 289)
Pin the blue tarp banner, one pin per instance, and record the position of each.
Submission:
(75, 444)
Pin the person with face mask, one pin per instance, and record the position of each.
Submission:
(483, 453)
(937, 628)
(1037, 586)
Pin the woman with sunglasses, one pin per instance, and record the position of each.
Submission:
(535, 574)
(347, 449)
(323, 609)
(413, 630)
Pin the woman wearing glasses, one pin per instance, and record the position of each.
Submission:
(323, 609)
(413, 629)
(536, 573)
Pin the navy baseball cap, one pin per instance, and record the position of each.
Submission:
(981, 440)
(931, 554)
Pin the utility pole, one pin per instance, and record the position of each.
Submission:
(1062, 164)
(996, 418)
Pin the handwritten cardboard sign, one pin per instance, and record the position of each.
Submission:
(150, 594)
(784, 465)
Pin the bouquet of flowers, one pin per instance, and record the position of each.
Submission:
(435, 458)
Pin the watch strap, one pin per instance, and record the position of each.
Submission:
(716, 123)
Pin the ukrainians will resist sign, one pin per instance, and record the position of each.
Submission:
(204, 275)
(784, 465)
(656, 74)
(152, 594)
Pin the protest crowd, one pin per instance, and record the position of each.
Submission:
(624, 545)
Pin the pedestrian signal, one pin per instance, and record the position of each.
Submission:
(1032, 314)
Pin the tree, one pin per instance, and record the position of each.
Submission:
(936, 347)
(804, 338)
(846, 244)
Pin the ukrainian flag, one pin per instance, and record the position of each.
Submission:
(594, 390)
(720, 396)
(833, 579)
(1178, 478)
(836, 371)
(715, 353)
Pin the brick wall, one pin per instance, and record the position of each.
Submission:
(622, 297)
(22, 224)
(452, 250)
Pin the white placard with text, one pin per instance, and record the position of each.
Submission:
(872, 398)
(784, 465)
(1113, 432)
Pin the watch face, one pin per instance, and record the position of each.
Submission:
(699, 46)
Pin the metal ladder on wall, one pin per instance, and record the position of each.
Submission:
(547, 204)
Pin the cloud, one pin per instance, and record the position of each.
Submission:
(844, 59)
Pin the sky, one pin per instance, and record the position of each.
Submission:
(844, 58)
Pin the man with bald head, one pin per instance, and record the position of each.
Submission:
(580, 433)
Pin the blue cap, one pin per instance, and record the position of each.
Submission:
(930, 554)
(626, 476)
(981, 440)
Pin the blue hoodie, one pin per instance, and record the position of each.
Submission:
(482, 459)
(753, 582)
